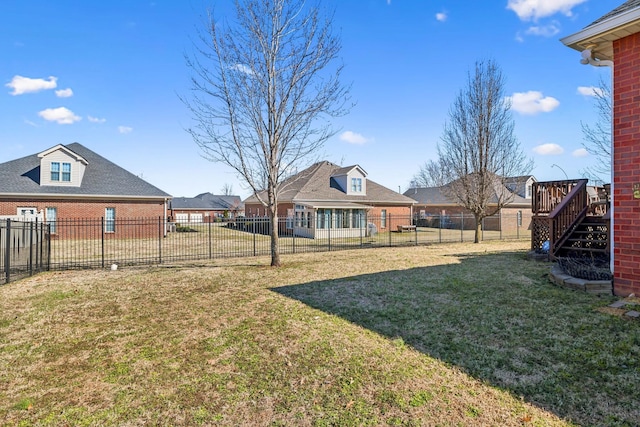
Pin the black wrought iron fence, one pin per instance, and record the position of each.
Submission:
(24, 249)
(100, 244)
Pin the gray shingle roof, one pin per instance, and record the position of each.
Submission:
(207, 201)
(101, 178)
(436, 196)
(628, 5)
(315, 184)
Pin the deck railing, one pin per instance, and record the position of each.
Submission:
(558, 206)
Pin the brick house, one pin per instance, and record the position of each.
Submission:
(433, 205)
(327, 197)
(613, 40)
(205, 207)
(71, 182)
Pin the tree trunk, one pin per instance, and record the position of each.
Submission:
(275, 250)
(478, 232)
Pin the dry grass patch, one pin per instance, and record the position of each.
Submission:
(438, 335)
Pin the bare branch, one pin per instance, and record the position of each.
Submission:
(262, 90)
(478, 150)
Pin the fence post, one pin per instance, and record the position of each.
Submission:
(48, 247)
(31, 247)
(416, 231)
(253, 225)
(7, 252)
(329, 229)
(389, 227)
(159, 240)
(210, 249)
(102, 239)
(462, 227)
(440, 228)
(360, 222)
(39, 244)
(500, 221)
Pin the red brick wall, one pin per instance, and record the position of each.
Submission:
(396, 215)
(92, 210)
(626, 165)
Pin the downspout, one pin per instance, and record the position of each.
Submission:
(587, 58)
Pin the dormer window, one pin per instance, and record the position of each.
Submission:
(356, 185)
(56, 174)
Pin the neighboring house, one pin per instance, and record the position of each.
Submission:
(614, 40)
(433, 205)
(327, 197)
(72, 182)
(205, 207)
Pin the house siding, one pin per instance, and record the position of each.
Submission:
(626, 165)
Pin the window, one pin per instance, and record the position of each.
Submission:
(55, 171)
(528, 191)
(356, 185)
(66, 172)
(110, 220)
(52, 217)
(27, 212)
(383, 218)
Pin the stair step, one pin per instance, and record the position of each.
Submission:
(587, 240)
(566, 249)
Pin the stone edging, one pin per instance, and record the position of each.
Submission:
(559, 277)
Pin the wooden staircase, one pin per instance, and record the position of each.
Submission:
(589, 238)
(570, 219)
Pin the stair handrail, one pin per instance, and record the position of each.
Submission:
(567, 214)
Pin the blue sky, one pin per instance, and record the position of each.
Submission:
(108, 75)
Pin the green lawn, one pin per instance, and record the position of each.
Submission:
(451, 334)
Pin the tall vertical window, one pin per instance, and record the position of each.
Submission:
(356, 185)
(52, 217)
(383, 218)
(66, 172)
(55, 171)
(110, 220)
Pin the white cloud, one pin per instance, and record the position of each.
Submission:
(60, 115)
(442, 16)
(96, 119)
(590, 91)
(549, 30)
(533, 102)
(353, 138)
(534, 9)
(548, 149)
(22, 85)
(30, 123)
(125, 129)
(64, 93)
(580, 152)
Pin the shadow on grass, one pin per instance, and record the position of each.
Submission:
(497, 317)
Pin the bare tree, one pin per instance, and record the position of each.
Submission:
(429, 175)
(597, 138)
(479, 150)
(263, 88)
(227, 189)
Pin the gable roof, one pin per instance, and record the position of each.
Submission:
(102, 178)
(315, 184)
(436, 195)
(207, 201)
(599, 36)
